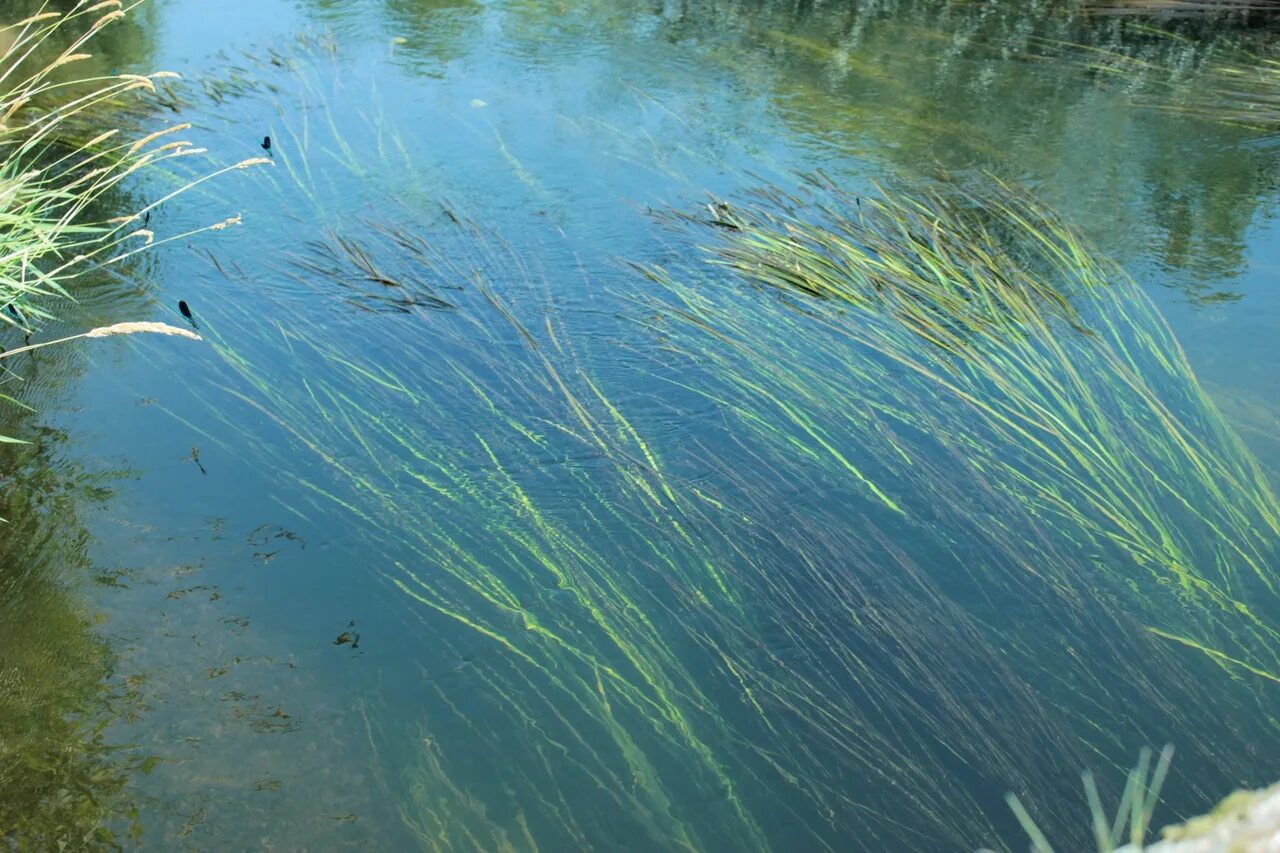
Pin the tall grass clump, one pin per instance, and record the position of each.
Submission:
(60, 155)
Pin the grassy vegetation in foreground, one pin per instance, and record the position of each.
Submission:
(60, 158)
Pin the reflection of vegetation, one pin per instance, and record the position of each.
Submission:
(434, 30)
(918, 84)
(61, 781)
(1245, 10)
(926, 83)
(974, 98)
(430, 33)
(859, 561)
(1225, 80)
(1245, 91)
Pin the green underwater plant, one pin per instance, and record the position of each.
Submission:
(659, 619)
(827, 526)
(979, 324)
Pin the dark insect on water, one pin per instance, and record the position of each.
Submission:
(195, 457)
(266, 143)
(146, 219)
(17, 315)
(722, 216)
(185, 310)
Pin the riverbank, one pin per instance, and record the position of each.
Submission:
(1244, 822)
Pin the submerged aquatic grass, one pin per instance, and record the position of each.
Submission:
(844, 525)
(977, 325)
(596, 620)
(1132, 820)
(636, 621)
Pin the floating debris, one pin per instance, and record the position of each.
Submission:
(348, 636)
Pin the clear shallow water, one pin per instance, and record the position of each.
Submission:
(555, 650)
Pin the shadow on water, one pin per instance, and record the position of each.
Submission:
(63, 777)
(65, 774)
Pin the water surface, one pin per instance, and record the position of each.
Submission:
(453, 536)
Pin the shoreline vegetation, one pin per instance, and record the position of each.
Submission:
(1009, 431)
(61, 159)
(69, 144)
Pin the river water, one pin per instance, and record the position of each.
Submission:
(458, 531)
